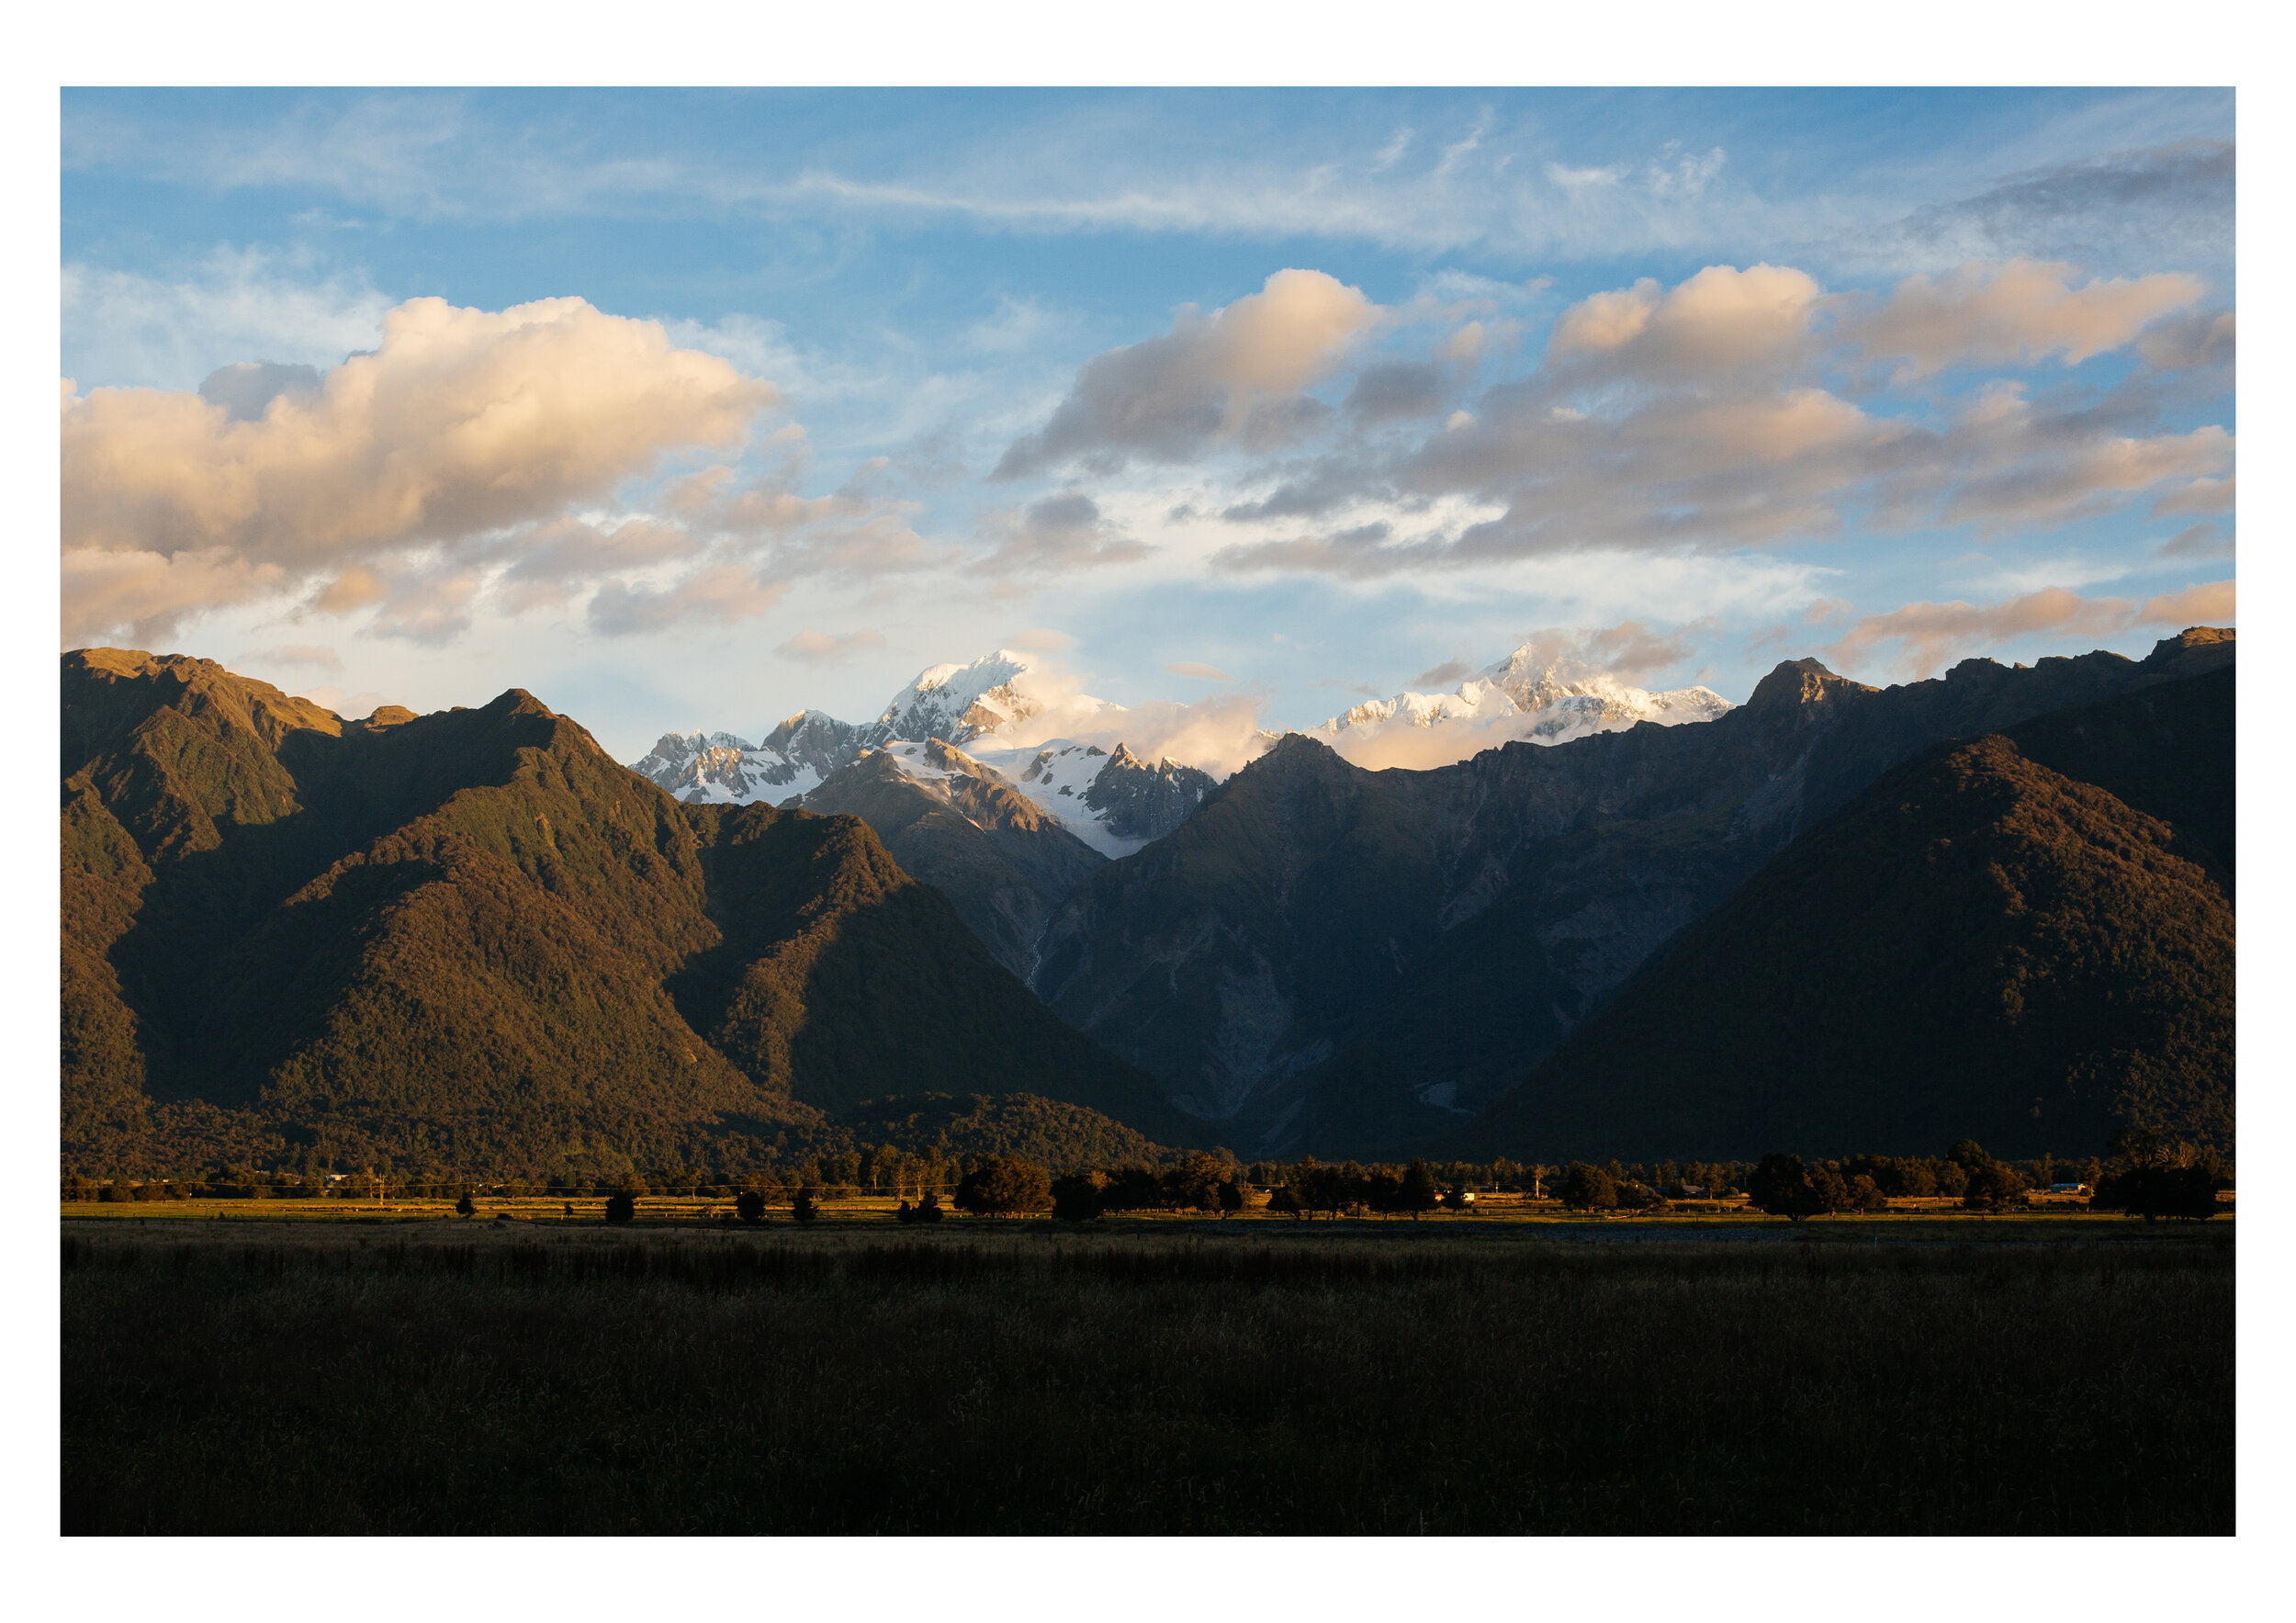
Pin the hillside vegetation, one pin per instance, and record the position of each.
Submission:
(1978, 944)
(472, 940)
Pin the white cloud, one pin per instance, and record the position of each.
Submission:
(1927, 635)
(2019, 312)
(1234, 375)
(125, 329)
(462, 425)
(823, 647)
(1198, 671)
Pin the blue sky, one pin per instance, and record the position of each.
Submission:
(1310, 395)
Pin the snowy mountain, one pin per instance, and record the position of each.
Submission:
(1521, 696)
(1002, 862)
(1110, 799)
(718, 768)
(957, 704)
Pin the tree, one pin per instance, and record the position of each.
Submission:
(1004, 1186)
(1866, 1195)
(927, 1208)
(1995, 1187)
(1588, 1187)
(1194, 1184)
(1457, 1198)
(804, 1206)
(1077, 1198)
(466, 1207)
(1287, 1201)
(1783, 1188)
(2150, 1180)
(1635, 1196)
(1231, 1198)
(749, 1205)
(1419, 1192)
(621, 1207)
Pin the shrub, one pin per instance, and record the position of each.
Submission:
(466, 1207)
(621, 1207)
(804, 1206)
(749, 1205)
(928, 1208)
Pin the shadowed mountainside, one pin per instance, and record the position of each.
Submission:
(1003, 862)
(1978, 945)
(1341, 961)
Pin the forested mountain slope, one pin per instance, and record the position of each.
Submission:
(1978, 946)
(1341, 961)
(471, 940)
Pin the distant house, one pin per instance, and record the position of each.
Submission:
(2068, 1188)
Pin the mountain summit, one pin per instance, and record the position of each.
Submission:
(1527, 696)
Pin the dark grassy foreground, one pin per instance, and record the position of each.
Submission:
(315, 1380)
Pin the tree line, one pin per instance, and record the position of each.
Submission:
(2145, 1174)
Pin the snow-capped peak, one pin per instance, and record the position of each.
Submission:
(1525, 696)
(958, 703)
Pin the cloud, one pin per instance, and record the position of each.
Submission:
(1630, 650)
(2210, 603)
(2019, 312)
(2210, 495)
(245, 388)
(1057, 535)
(461, 426)
(1927, 635)
(1234, 375)
(822, 648)
(2049, 482)
(1394, 389)
(2205, 338)
(2202, 540)
(1190, 667)
(318, 656)
(1684, 175)
(1040, 639)
(722, 595)
(1721, 319)
(2176, 198)
(1444, 674)
(169, 332)
(1576, 180)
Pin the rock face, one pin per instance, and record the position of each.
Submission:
(1338, 961)
(999, 859)
(1978, 945)
(719, 768)
(1138, 801)
(472, 939)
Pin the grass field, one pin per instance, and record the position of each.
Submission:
(416, 1375)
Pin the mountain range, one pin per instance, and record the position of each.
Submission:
(2025, 938)
(472, 939)
(959, 778)
(1332, 960)
(1835, 916)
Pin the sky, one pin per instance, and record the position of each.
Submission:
(693, 409)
